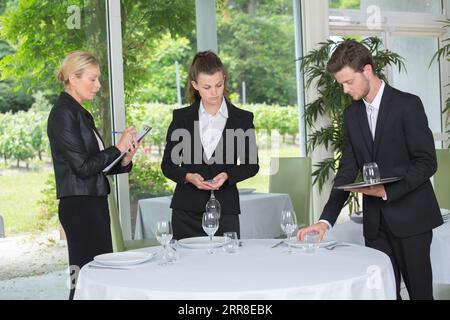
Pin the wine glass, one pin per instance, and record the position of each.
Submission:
(213, 205)
(164, 234)
(210, 223)
(371, 173)
(288, 225)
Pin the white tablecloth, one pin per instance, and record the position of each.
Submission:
(440, 246)
(256, 271)
(259, 218)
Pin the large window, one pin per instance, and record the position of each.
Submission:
(421, 6)
(255, 42)
(158, 41)
(414, 36)
(421, 79)
(34, 38)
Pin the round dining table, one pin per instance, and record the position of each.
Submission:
(257, 271)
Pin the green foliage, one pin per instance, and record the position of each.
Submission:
(258, 48)
(40, 49)
(5, 49)
(19, 198)
(23, 135)
(161, 69)
(144, 24)
(48, 203)
(147, 179)
(12, 100)
(43, 101)
(345, 4)
(158, 116)
(332, 101)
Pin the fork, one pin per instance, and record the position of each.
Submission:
(94, 266)
(332, 246)
(277, 244)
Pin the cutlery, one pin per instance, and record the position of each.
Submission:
(332, 246)
(107, 267)
(277, 244)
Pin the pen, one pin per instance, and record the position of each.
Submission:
(117, 132)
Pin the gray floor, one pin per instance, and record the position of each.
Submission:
(51, 286)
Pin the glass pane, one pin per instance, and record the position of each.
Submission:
(256, 43)
(157, 51)
(420, 79)
(345, 4)
(420, 6)
(35, 37)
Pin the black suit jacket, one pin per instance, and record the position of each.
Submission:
(404, 147)
(236, 162)
(77, 159)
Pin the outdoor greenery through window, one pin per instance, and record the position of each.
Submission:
(34, 38)
(256, 44)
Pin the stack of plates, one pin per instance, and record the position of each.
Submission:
(201, 242)
(126, 258)
(445, 215)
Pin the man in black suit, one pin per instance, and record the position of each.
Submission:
(389, 127)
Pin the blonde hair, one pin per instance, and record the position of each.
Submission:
(75, 63)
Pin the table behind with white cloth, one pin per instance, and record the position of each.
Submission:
(257, 271)
(259, 219)
(352, 232)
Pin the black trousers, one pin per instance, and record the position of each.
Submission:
(86, 223)
(410, 259)
(186, 224)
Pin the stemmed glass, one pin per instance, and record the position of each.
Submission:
(164, 234)
(288, 225)
(213, 205)
(210, 223)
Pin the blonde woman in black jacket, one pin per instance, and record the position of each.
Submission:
(79, 157)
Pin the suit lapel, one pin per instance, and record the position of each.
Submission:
(364, 125)
(383, 114)
(192, 124)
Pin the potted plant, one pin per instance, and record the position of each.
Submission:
(332, 101)
(444, 53)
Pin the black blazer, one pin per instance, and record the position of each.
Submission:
(404, 147)
(187, 196)
(77, 159)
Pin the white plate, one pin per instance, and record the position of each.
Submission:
(326, 241)
(126, 258)
(201, 242)
(246, 190)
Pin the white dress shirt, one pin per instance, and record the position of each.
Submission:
(99, 141)
(373, 108)
(211, 127)
(372, 115)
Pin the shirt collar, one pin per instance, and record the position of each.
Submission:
(377, 100)
(223, 109)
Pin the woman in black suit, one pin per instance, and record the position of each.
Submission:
(79, 157)
(210, 145)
